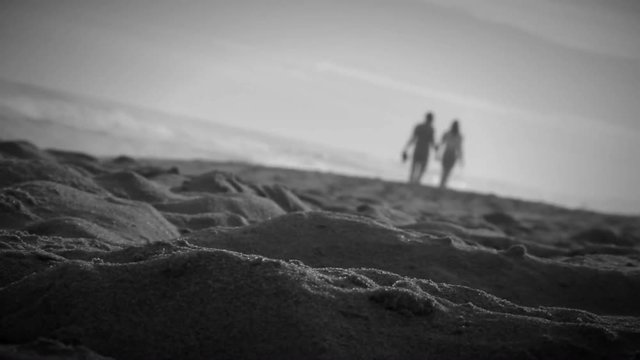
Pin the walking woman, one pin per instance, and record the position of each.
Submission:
(450, 151)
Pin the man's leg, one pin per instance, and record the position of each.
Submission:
(423, 169)
(412, 171)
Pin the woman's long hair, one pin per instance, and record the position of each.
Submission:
(455, 128)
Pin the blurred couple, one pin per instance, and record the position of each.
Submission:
(449, 150)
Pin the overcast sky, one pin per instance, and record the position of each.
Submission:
(548, 92)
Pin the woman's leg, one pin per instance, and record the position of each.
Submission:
(446, 170)
(448, 161)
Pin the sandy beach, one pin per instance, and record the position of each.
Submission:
(319, 179)
(129, 258)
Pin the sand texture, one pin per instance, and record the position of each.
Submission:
(155, 259)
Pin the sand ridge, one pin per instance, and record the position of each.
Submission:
(130, 258)
(325, 239)
(241, 300)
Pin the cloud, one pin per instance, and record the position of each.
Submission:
(86, 117)
(599, 27)
(390, 83)
(551, 121)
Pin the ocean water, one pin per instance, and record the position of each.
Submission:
(54, 120)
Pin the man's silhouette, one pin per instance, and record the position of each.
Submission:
(423, 139)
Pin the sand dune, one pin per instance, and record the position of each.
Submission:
(126, 258)
(252, 207)
(338, 240)
(135, 222)
(205, 220)
(221, 182)
(13, 171)
(202, 304)
(23, 150)
(130, 185)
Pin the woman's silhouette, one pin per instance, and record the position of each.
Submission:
(451, 151)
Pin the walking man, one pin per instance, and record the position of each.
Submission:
(422, 140)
